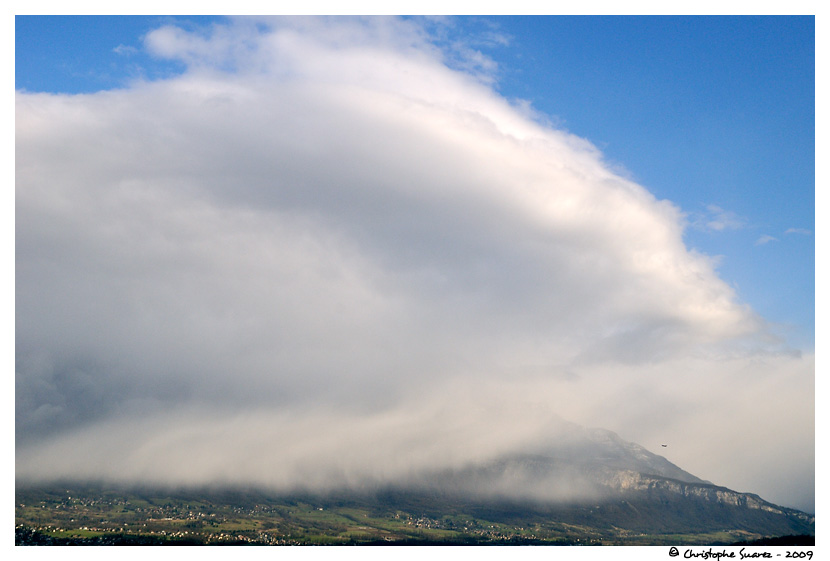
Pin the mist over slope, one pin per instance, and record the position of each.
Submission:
(589, 487)
(324, 256)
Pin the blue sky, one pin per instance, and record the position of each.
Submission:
(716, 114)
(394, 225)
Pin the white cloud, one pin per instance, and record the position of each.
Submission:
(321, 231)
(765, 239)
(802, 231)
(717, 219)
(127, 50)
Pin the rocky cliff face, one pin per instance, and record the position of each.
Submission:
(628, 481)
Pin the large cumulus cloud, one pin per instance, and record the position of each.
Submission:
(321, 240)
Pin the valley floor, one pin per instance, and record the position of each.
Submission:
(89, 516)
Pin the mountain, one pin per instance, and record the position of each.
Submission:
(595, 478)
(583, 486)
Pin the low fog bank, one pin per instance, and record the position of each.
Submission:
(451, 450)
(320, 449)
(454, 440)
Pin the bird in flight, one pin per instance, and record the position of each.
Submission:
(664, 445)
